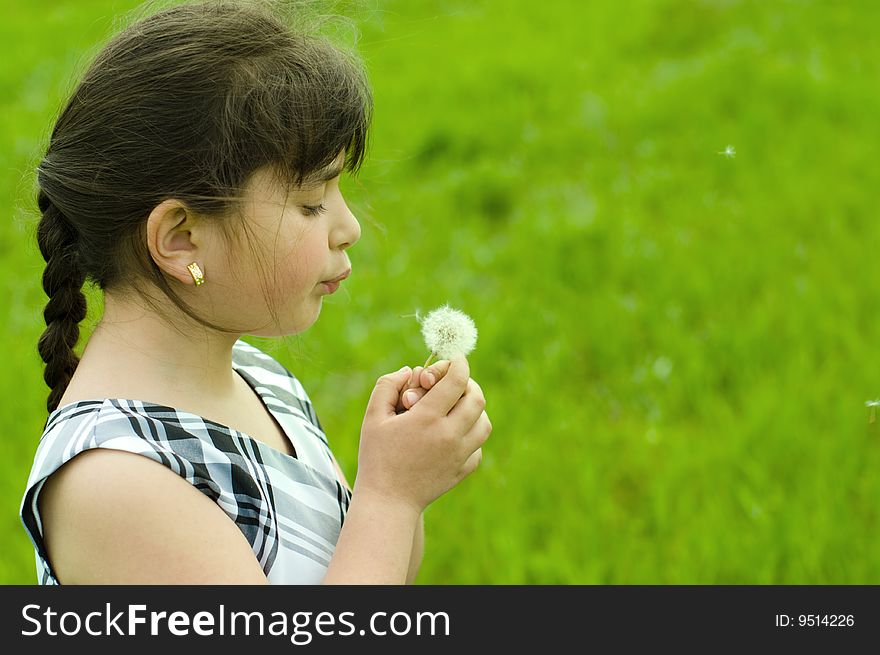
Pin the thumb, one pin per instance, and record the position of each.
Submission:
(386, 394)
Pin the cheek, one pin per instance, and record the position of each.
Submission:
(301, 267)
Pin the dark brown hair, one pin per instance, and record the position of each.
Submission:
(186, 103)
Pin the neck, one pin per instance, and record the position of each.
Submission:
(131, 340)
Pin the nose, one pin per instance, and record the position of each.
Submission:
(349, 230)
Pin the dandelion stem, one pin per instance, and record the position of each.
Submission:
(429, 360)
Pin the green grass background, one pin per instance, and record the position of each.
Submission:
(676, 347)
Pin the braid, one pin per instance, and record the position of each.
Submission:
(62, 281)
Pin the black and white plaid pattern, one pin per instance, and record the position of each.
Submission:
(290, 508)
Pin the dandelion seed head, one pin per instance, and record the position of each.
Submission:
(872, 403)
(449, 333)
(729, 152)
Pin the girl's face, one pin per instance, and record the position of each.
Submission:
(305, 233)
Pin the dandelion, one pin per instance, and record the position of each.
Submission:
(873, 404)
(448, 333)
(729, 152)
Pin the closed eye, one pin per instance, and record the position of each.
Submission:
(313, 210)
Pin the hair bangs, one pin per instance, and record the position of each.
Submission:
(298, 118)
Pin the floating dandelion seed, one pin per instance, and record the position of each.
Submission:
(448, 333)
(729, 152)
(873, 404)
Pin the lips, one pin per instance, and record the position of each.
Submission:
(340, 278)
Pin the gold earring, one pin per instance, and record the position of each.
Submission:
(197, 274)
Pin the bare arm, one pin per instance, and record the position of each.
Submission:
(415, 557)
(375, 544)
(418, 550)
(114, 517)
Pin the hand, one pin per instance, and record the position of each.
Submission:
(420, 382)
(411, 458)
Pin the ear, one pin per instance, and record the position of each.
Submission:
(173, 239)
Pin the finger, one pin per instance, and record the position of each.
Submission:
(414, 380)
(472, 462)
(478, 434)
(403, 404)
(431, 375)
(386, 394)
(443, 396)
(469, 407)
(411, 397)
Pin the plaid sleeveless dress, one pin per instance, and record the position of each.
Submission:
(290, 508)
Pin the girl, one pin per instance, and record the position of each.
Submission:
(193, 175)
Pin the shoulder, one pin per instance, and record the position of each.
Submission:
(177, 440)
(116, 517)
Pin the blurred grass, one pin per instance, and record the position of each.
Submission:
(675, 346)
